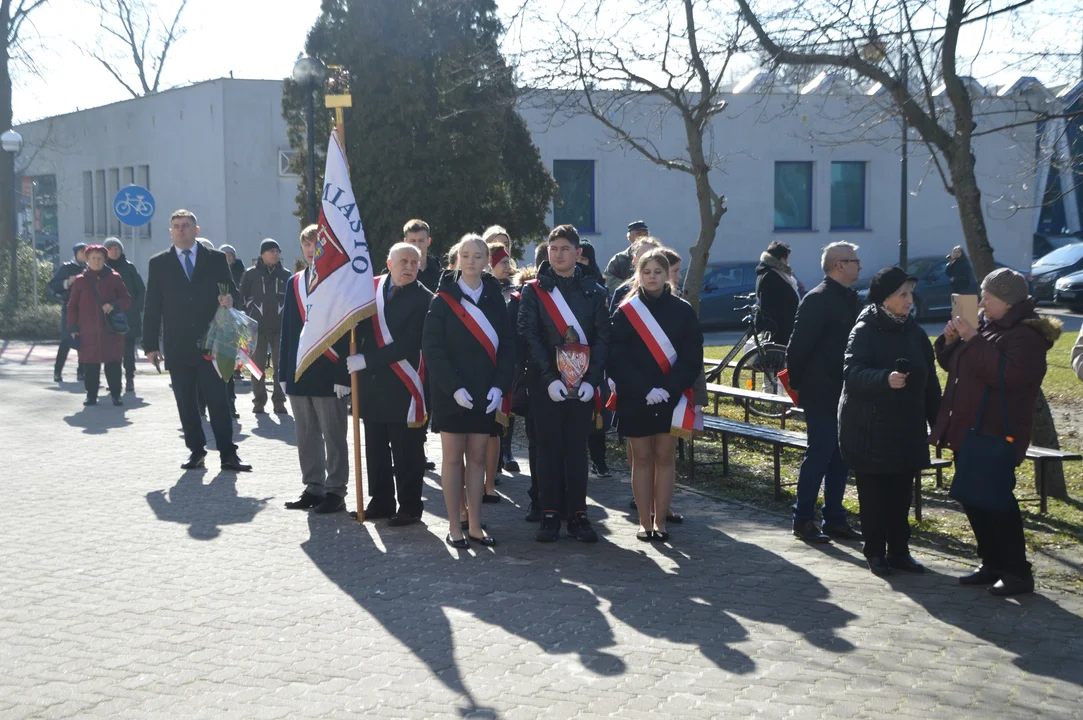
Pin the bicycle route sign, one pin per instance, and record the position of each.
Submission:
(134, 205)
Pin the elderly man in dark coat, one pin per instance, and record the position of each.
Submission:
(118, 262)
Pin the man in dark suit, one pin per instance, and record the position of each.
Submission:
(182, 298)
(385, 389)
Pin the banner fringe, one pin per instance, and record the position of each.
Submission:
(343, 328)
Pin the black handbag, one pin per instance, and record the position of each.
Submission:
(985, 464)
(116, 321)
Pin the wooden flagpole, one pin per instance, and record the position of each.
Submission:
(339, 102)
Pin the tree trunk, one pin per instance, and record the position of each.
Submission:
(699, 253)
(1044, 434)
(968, 199)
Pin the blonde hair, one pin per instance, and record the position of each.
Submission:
(639, 247)
(658, 256)
(493, 231)
(453, 255)
(472, 239)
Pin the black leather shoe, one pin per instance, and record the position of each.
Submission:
(117, 401)
(194, 461)
(490, 499)
(984, 575)
(906, 563)
(1009, 584)
(841, 532)
(90, 401)
(305, 502)
(56, 378)
(879, 566)
(332, 503)
(258, 410)
(486, 540)
(810, 532)
(511, 465)
(429, 464)
(375, 512)
(129, 386)
(550, 528)
(232, 462)
(280, 409)
(403, 519)
(533, 513)
(580, 529)
(600, 469)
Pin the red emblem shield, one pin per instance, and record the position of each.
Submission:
(329, 255)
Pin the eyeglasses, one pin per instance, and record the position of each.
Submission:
(850, 260)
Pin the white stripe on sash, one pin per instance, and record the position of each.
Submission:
(568, 315)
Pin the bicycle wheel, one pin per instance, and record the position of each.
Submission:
(758, 370)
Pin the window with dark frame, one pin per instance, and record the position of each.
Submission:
(848, 196)
(575, 206)
(793, 195)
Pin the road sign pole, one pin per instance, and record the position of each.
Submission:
(34, 244)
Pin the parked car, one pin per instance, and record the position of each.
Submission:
(1048, 269)
(1068, 291)
(932, 294)
(1045, 244)
(721, 282)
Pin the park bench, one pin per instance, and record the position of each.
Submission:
(1041, 457)
(744, 397)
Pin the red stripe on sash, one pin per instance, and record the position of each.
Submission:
(551, 307)
(647, 338)
(470, 323)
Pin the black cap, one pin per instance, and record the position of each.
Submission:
(266, 245)
(886, 282)
(638, 225)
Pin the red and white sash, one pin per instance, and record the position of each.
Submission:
(417, 414)
(483, 331)
(300, 291)
(685, 420)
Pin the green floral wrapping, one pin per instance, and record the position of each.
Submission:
(229, 338)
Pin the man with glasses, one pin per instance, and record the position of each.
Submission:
(814, 356)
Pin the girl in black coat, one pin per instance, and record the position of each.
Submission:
(646, 394)
(468, 378)
(890, 392)
(958, 269)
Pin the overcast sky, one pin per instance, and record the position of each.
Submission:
(250, 38)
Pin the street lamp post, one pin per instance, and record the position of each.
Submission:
(308, 73)
(12, 142)
(904, 195)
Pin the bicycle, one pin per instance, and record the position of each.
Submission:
(139, 206)
(759, 366)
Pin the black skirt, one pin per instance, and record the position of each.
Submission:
(638, 420)
(464, 422)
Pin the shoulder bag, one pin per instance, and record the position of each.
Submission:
(116, 321)
(985, 464)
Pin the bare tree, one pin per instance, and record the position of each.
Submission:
(632, 64)
(856, 36)
(128, 28)
(14, 13)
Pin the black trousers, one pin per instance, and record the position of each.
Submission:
(885, 512)
(190, 383)
(92, 378)
(505, 439)
(561, 430)
(406, 446)
(532, 459)
(65, 343)
(596, 447)
(1001, 545)
(129, 358)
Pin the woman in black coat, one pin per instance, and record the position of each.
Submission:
(890, 393)
(777, 292)
(469, 374)
(647, 394)
(959, 271)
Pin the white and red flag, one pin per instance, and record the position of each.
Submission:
(341, 287)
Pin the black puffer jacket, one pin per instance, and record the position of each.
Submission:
(635, 371)
(237, 268)
(882, 430)
(67, 271)
(821, 330)
(430, 276)
(136, 289)
(777, 297)
(263, 289)
(588, 302)
(454, 358)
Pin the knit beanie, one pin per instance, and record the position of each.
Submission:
(229, 249)
(76, 248)
(268, 244)
(112, 241)
(1007, 285)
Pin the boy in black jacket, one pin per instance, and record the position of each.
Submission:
(316, 397)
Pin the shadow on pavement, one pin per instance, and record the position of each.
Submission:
(285, 429)
(553, 595)
(1020, 625)
(205, 509)
(103, 417)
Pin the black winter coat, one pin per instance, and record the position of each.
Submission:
(634, 370)
(384, 397)
(136, 289)
(821, 330)
(778, 302)
(237, 268)
(455, 359)
(589, 303)
(319, 378)
(882, 430)
(430, 276)
(68, 271)
(264, 291)
(962, 277)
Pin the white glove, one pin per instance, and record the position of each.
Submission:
(657, 395)
(355, 363)
(612, 385)
(463, 398)
(67, 283)
(557, 391)
(586, 392)
(342, 391)
(494, 397)
(283, 386)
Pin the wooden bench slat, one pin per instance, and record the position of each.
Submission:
(1041, 453)
(730, 391)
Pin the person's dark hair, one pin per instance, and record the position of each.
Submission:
(415, 225)
(568, 232)
(671, 255)
(541, 253)
(778, 250)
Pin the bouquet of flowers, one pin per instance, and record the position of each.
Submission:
(230, 340)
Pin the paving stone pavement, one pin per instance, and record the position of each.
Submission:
(132, 589)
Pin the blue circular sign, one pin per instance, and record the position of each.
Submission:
(134, 205)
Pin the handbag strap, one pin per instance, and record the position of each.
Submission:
(1003, 400)
(93, 289)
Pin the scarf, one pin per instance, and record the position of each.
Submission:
(785, 271)
(899, 319)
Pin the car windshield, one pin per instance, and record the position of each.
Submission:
(1067, 255)
(919, 266)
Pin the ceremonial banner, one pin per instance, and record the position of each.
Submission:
(341, 287)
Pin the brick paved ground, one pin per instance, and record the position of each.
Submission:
(132, 589)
